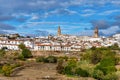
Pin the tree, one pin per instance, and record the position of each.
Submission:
(96, 56)
(22, 46)
(69, 69)
(26, 53)
(107, 65)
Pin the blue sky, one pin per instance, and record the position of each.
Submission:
(76, 17)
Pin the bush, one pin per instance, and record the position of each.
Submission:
(72, 63)
(64, 58)
(21, 57)
(7, 70)
(50, 59)
(107, 65)
(93, 55)
(111, 76)
(97, 74)
(2, 53)
(40, 59)
(60, 67)
(96, 57)
(68, 70)
(81, 72)
(26, 53)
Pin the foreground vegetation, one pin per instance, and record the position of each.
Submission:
(98, 63)
(10, 61)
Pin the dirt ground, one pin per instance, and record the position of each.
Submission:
(41, 71)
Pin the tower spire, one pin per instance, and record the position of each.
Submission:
(59, 31)
(96, 32)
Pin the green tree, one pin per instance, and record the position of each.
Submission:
(26, 53)
(107, 65)
(22, 46)
(96, 56)
(69, 69)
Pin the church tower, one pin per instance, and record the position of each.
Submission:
(96, 32)
(59, 31)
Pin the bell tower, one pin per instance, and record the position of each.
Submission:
(96, 32)
(59, 31)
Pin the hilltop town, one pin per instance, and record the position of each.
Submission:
(60, 57)
(60, 42)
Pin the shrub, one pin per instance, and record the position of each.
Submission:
(60, 67)
(7, 70)
(68, 70)
(64, 58)
(72, 63)
(96, 57)
(21, 57)
(26, 53)
(40, 59)
(50, 59)
(97, 74)
(2, 53)
(81, 72)
(93, 55)
(107, 65)
(111, 76)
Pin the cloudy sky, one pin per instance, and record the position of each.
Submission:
(77, 17)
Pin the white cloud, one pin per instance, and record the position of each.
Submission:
(87, 14)
(60, 12)
(39, 23)
(108, 12)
